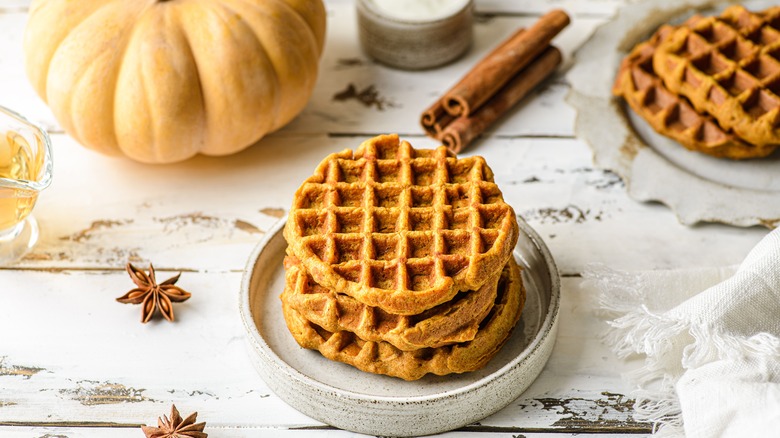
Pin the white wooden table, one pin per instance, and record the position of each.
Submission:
(73, 362)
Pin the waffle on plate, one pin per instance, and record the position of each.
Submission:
(383, 358)
(401, 229)
(454, 321)
(711, 83)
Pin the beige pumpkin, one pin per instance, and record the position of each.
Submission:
(163, 80)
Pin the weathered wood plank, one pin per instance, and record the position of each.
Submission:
(249, 432)
(577, 8)
(84, 358)
(8, 6)
(208, 213)
(91, 360)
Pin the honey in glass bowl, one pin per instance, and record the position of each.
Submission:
(25, 170)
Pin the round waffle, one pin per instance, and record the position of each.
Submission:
(729, 67)
(671, 114)
(384, 358)
(448, 323)
(401, 229)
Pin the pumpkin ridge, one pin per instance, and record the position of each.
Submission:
(138, 91)
(307, 41)
(185, 30)
(308, 27)
(90, 66)
(219, 11)
(319, 40)
(164, 17)
(115, 91)
(45, 75)
(277, 81)
(192, 56)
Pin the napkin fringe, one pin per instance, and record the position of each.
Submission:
(642, 332)
(660, 405)
(634, 329)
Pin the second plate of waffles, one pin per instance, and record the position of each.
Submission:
(681, 94)
(710, 83)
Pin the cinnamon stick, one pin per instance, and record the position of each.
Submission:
(436, 117)
(493, 72)
(464, 130)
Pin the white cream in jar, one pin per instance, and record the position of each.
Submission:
(415, 34)
(419, 10)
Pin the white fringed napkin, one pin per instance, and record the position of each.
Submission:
(711, 338)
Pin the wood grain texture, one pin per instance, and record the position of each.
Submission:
(208, 213)
(74, 363)
(94, 363)
(248, 432)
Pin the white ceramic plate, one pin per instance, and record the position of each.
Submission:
(345, 397)
(697, 187)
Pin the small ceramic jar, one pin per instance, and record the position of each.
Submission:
(415, 34)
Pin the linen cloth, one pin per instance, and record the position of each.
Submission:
(711, 339)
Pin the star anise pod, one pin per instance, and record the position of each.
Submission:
(152, 295)
(175, 427)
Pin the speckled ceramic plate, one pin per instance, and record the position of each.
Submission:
(347, 398)
(697, 187)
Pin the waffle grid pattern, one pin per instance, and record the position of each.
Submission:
(671, 114)
(384, 358)
(399, 228)
(451, 322)
(728, 67)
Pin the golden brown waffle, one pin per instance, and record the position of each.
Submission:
(384, 358)
(398, 228)
(671, 114)
(448, 323)
(728, 67)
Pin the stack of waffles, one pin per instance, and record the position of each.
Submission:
(399, 261)
(711, 83)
